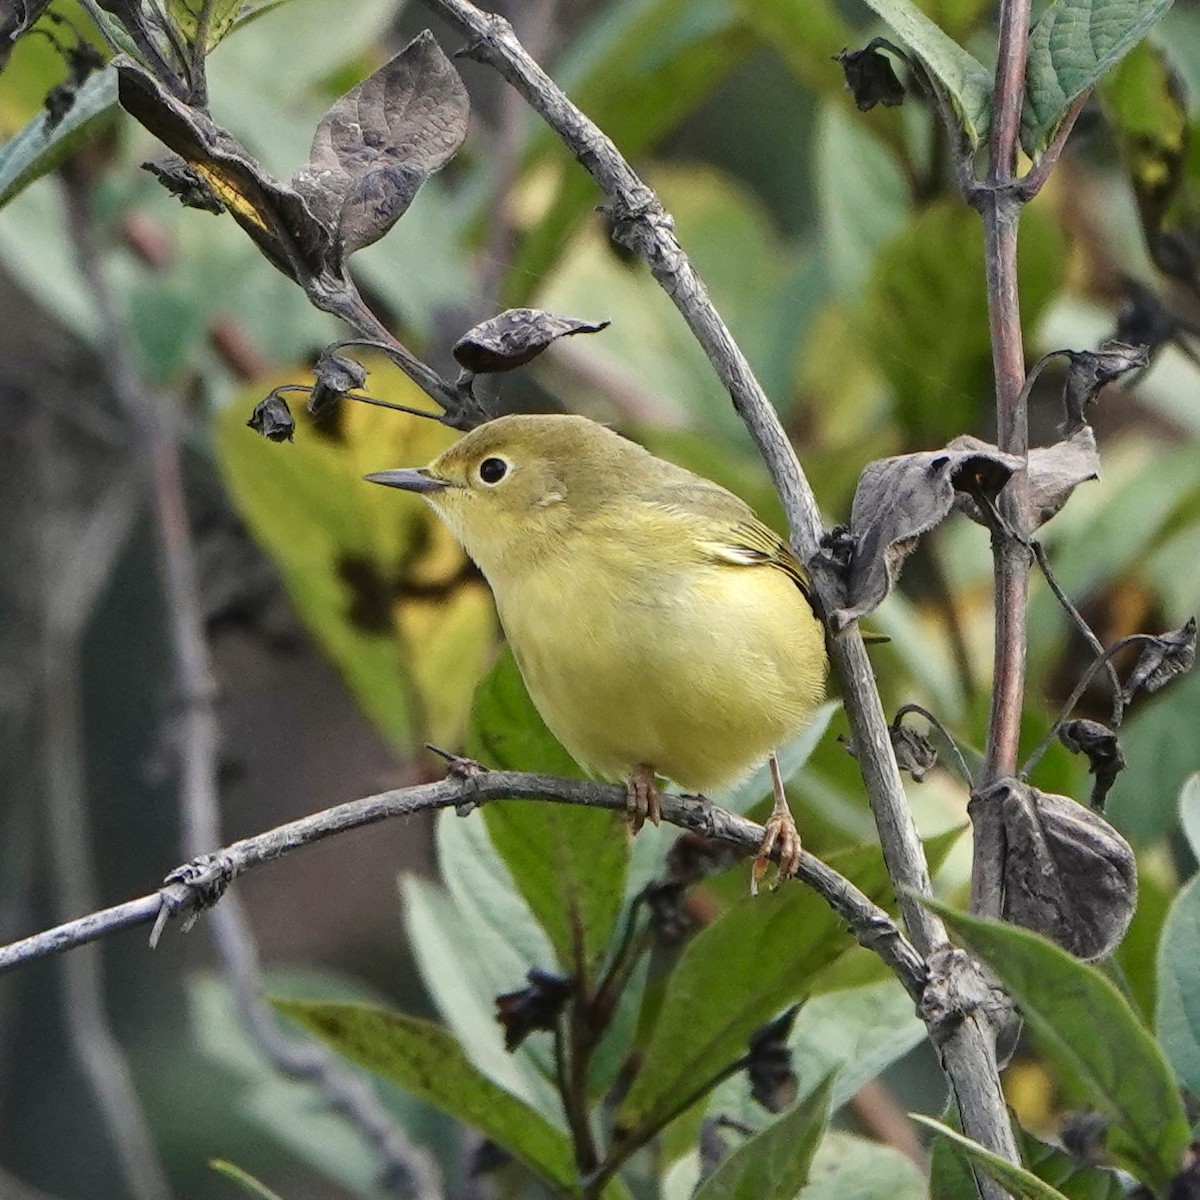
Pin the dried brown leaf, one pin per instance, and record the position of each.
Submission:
(514, 337)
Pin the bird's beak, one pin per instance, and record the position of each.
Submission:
(411, 479)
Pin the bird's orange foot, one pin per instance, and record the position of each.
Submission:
(781, 836)
(641, 798)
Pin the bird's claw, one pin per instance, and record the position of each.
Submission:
(641, 798)
(782, 834)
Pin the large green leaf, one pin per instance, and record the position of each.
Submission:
(1072, 45)
(1178, 1015)
(40, 146)
(761, 955)
(462, 976)
(425, 1059)
(773, 1165)
(862, 195)
(1074, 1178)
(1088, 1030)
(847, 1167)
(377, 578)
(924, 315)
(1016, 1180)
(1189, 812)
(965, 79)
(569, 863)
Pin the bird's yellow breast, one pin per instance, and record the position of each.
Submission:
(698, 668)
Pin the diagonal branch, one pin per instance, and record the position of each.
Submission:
(200, 884)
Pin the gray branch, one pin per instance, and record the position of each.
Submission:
(201, 883)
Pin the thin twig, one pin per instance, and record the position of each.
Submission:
(623, 1151)
(1035, 179)
(1118, 711)
(201, 883)
(196, 59)
(947, 737)
(1073, 699)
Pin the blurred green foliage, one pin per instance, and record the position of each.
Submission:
(837, 249)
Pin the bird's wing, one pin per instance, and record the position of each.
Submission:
(725, 530)
(750, 543)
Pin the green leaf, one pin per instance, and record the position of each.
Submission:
(39, 147)
(424, 1059)
(1075, 1179)
(847, 1167)
(764, 287)
(1073, 44)
(1087, 1029)
(185, 15)
(924, 314)
(862, 195)
(1189, 812)
(243, 1179)
(1178, 1014)
(965, 79)
(853, 1034)
(773, 1165)
(464, 970)
(569, 863)
(375, 575)
(1017, 1180)
(731, 978)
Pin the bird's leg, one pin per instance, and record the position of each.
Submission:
(780, 829)
(641, 797)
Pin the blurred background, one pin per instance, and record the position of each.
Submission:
(345, 631)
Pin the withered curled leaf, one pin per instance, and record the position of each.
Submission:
(773, 1083)
(1162, 659)
(1068, 874)
(185, 183)
(897, 500)
(275, 216)
(871, 78)
(335, 376)
(1103, 751)
(377, 144)
(514, 337)
(914, 751)
(534, 1007)
(1054, 472)
(1090, 370)
(273, 419)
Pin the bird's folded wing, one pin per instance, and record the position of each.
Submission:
(750, 543)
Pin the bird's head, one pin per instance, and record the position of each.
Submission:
(514, 486)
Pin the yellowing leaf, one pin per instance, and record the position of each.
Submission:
(384, 588)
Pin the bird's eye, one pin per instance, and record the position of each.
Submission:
(492, 470)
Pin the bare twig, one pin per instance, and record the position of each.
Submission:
(882, 1116)
(1085, 630)
(201, 883)
(1035, 179)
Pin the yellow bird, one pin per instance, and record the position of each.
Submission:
(661, 629)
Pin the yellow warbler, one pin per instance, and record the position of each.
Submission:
(661, 629)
